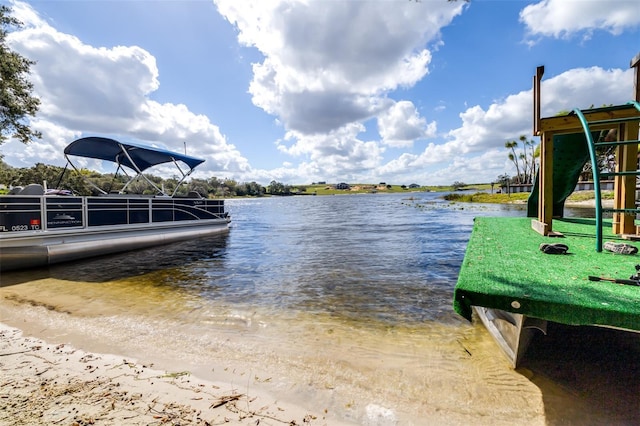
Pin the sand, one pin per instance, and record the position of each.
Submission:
(606, 203)
(123, 353)
(43, 383)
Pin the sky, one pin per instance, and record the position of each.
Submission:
(303, 91)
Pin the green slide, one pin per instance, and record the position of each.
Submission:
(570, 153)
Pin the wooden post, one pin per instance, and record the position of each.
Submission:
(627, 156)
(635, 63)
(543, 224)
(537, 79)
(545, 209)
(625, 186)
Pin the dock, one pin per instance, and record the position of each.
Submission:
(513, 286)
(504, 269)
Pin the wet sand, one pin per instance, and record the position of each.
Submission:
(103, 353)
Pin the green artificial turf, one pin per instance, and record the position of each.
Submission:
(504, 269)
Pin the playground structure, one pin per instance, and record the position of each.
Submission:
(513, 286)
(568, 141)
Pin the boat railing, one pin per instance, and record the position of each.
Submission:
(39, 213)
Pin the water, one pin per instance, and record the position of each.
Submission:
(377, 259)
(342, 302)
(358, 258)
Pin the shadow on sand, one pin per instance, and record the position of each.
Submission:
(587, 375)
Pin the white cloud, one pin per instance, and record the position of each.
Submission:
(564, 18)
(103, 90)
(328, 68)
(329, 64)
(328, 71)
(483, 132)
(401, 124)
(577, 88)
(586, 87)
(339, 154)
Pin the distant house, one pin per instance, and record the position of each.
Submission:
(414, 185)
(322, 182)
(342, 185)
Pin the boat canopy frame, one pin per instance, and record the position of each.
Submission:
(132, 155)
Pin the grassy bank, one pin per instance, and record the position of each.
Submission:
(363, 188)
(367, 188)
(521, 197)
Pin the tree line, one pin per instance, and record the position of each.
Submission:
(78, 182)
(16, 99)
(526, 158)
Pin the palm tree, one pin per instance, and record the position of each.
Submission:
(525, 159)
(513, 156)
(525, 167)
(528, 157)
(535, 160)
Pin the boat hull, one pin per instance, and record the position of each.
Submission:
(43, 230)
(46, 248)
(512, 332)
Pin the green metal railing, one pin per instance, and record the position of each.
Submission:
(594, 161)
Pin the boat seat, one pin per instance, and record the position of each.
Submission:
(15, 190)
(63, 192)
(190, 194)
(32, 189)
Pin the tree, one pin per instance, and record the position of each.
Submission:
(525, 161)
(16, 101)
(513, 156)
(53, 176)
(503, 180)
(531, 157)
(276, 188)
(255, 189)
(605, 158)
(201, 186)
(230, 187)
(457, 185)
(78, 182)
(7, 172)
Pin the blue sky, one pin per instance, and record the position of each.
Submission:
(301, 91)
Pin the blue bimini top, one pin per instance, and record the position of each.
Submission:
(135, 156)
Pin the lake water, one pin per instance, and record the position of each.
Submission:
(342, 303)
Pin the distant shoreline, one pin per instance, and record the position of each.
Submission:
(589, 203)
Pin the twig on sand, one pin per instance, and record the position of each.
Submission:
(14, 353)
(40, 373)
(225, 400)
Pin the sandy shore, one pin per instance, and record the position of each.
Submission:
(180, 359)
(607, 203)
(43, 383)
(589, 203)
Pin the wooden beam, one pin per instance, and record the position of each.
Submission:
(571, 124)
(635, 63)
(545, 182)
(627, 160)
(539, 227)
(625, 186)
(537, 81)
